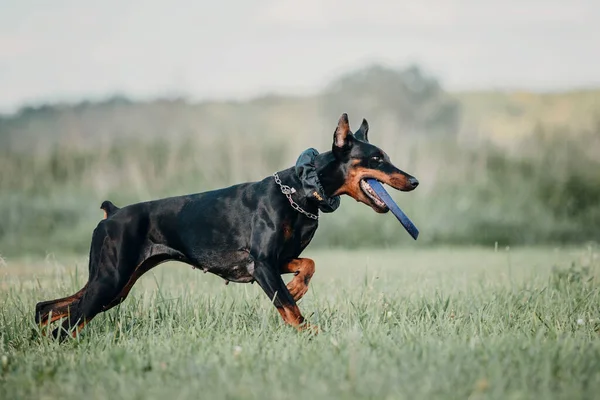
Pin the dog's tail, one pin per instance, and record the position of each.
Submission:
(109, 208)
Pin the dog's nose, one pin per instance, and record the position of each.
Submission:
(413, 181)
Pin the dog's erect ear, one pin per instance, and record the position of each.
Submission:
(363, 132)
(340, 137)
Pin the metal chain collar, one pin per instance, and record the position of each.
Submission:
(288, 191)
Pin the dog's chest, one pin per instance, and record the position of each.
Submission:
(234, 266)
(294, 239)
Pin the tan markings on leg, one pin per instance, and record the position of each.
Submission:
(292, 316)
(46, 320)
(78, 329)
(60, 309)
(303, 269)
(58, 316)
(55, 317)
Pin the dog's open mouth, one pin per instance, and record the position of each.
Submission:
(376, 201)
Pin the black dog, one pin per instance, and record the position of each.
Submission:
(244, 233)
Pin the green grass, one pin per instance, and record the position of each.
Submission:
(422, 323)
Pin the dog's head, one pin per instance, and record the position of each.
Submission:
(360, 160)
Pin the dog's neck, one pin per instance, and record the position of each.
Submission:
(329, 172)
(315, 179)
(310, 186)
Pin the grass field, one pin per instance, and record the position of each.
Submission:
(452, 323)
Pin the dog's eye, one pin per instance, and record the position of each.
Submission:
(376, 159)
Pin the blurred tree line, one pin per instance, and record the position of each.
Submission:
(411, 100)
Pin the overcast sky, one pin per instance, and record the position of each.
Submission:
(72, 49)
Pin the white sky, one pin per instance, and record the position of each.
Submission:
(72, 49)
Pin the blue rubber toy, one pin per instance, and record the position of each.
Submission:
(391, 204)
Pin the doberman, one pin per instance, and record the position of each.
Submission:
(250, 232)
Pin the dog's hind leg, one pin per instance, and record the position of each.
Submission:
(105, 294)
(111, 255)
(59, 308)
(112, 285)
(47, 312)
(140, 270)
(100, 290)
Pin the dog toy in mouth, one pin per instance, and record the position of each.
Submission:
(391, 204)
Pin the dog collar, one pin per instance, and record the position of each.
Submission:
(288, 191)
(311, 186)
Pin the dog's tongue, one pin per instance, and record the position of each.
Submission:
(389, 202)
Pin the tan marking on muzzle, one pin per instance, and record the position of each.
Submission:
(352, 188)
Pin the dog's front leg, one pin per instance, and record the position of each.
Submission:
(270, 281)
(303, 269)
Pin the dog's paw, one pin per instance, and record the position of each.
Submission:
(308, 328)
